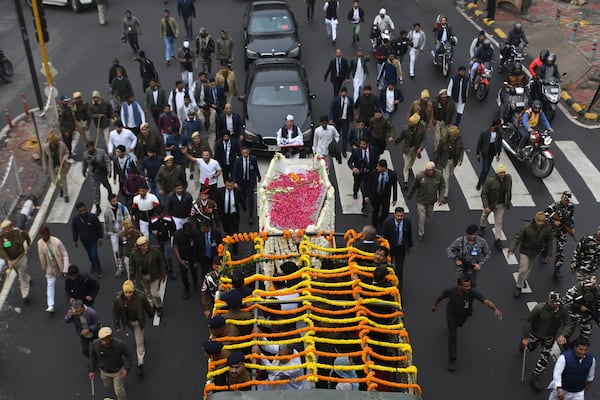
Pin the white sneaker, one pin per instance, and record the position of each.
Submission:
(50, 309)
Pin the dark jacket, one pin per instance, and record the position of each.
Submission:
(119, 309)
(179, 208)
(220, 99)
(353, 64)
(449, 149)
(444, 111)
(490, 192)
(150, 264)
(237, 125)
(455, 83)
(483, 144)
(87, 228)
(413, 136)
(398, 95)
(332, 70)
(388, 231)
(147, 70)
(161, 100)
(356, 160)
(439, 32)
(253, 171)
(100, 113)
(215, 240)
(544, 323)
(240, 202)
(355, 136)
(389, 188)
(92, 318)
(533, 240)
(365, 107)
(110, 359)
(336, 110)
(81, 287)
(234, 152)
(186, 8)
(361, 14)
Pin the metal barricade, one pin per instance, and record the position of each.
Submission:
(10, 188)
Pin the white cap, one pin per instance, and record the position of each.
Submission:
(186, 44)
(289, 117)
(382, 11)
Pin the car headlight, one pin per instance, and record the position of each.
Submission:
(251, 53)
(547, 140)
(295, 52)
(307, 135)
(250, 136)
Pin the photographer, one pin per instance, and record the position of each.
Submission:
(362, 161)
(469, 253)
(99, 164)
(186, 57)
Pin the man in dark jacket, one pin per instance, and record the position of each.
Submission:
(87, 323)
(489, 145)
(362, 161)
(246, 174)
(382, 183)
(547, 322)
(531, 239)
(414, 136)
(187, 246)
(231, 121)
(496, 195)
(444, 115)
(80, 287)
(389, 99)
(338, 71)
(209, 241)
(179, 205)
(230, 202)
(449, 155)
(583, 301)
(186, 10)
(147, 70)
(86, 228)
(458, 88)
(147, 263)
(113, 358)
(341, 115)
(227, 150)
(156, 99)
(398, 232)
(365, 105)
(129, 306)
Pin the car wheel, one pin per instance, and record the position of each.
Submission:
(76, 6)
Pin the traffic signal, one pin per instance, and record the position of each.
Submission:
(43, 24)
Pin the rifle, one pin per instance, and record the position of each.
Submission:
(568, 228)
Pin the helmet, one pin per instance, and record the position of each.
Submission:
(536, 105)
(551, 58)
(518, 26)
(517, 67)
(544, 54)
(487, 42)
(382, 11)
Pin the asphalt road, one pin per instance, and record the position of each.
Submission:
(39, 354)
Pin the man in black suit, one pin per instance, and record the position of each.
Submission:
(398, 232)
(245, 175)
(368, 241)
(390, 99)
(229, 204)
(382, 183)
(338, 71)
(362, 161)
(216, 98)
(226, 151)
(357, 133)
(232, 122)
(209, 241)
(156, 99)
(341, 114)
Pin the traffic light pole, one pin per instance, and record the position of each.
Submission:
(40, 35)
(25, 37)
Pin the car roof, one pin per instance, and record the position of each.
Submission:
(269, 62)
(264, 3)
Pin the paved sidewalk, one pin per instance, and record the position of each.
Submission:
(583, 75)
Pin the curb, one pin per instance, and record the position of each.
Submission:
(576, 107)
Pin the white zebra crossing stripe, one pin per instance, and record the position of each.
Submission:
(161, 292)
(526, 289)
(467, 177)
(520, 195)
(556, 185)
(510, 260)
(502, 235)
(420, 166)
(584, 167)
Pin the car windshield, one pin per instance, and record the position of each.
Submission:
(270, 22)
(275, 94)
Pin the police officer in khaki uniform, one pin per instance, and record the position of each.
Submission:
(14, 253)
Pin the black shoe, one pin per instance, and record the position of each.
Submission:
(333, 42)
(412, 77)
(140, 370)
(365, 213)
(557, 275)
(498, 243)
(172, 275)
(405, 186)
(191, 177)
(534, 381)
(66, 199)
(357, 38)
(251, 221)
(478, 187)
(517, 293)
(344, 154)
(101, 275)
(195, 287)
(451, 366)
(186, 294)
(98, 210)
(355, 196)
(543, 260)
(420, 238)
(25, 300)
(60, 193)
(159, 312)
(482, 231)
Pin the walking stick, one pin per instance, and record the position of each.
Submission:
(93, 389)
(523, 366)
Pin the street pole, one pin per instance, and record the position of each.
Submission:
(25, 37)
(40, 34)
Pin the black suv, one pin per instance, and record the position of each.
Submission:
(270, 30)
(276, 87)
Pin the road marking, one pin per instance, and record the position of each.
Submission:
(420, 166)
(531, 305)
(584, 167)
(510, 260)
(556, 185)
(520, 195)
(467, 177)
(526, 289)
(502, 235)
(161, 291)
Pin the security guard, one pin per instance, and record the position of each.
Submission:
(14, 253)
(560, 216)
(583, 301)
(586, 257)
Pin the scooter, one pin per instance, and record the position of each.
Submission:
(481, 83)
(377, 36)
(551, 91)
(536, 153)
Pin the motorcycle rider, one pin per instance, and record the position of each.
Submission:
(532, 117)
(534, 69)
(515, 79)
(485, 53)
(515, 37)
(476, 43)
(443, 33)
(545, 72)
(384, 21)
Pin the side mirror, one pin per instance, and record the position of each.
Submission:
(312, 96)
(242, 98)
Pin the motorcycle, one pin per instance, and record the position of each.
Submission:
(481, 83)
(6, 67)
(516, 102)
(444, 58)
(551, 91)
(377, 36)
(517, 55)
(536, 153)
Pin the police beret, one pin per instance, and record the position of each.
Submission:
(216, 322)
(212, 347)
(235, 357)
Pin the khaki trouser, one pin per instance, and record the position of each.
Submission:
(440, 131)
(101, 10)
(152, 292)
(409, 161)
(498, 215)
(20, 266)
(116, 380)
(82, 127)
(525, 266)
(447, 172)
(61, 183)
(138, 334)
(425, 210)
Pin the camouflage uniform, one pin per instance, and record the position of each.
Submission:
(586, 257)
(583, 294)
(566, 219)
